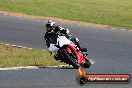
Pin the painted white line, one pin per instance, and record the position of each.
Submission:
(24, 47)
(19, 46)
(35, 67)
(9, 69)
(92, 62)
(19, 68)
(13, 45)
(64, 66)
(30, 48)
(113, 28)
(2, 43)
(44, 50)
(130, 30)
(123, 29)
(32, 67)
(7, 44)
(55, 66)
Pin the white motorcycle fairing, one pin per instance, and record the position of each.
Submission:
(61, 40)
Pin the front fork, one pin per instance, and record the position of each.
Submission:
(80, 59)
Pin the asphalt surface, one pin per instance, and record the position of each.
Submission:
(111, 50)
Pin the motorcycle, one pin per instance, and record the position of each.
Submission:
(69, 53)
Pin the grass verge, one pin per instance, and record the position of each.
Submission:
(12, 57)
(110, 12)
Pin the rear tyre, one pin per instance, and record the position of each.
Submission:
(81, 80)
(70, 59)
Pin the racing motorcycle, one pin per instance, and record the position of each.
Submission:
(69, 53)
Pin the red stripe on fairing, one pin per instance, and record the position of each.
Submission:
(79, 56)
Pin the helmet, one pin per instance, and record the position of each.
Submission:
(50, 25)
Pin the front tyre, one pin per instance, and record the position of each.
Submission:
(70, 59)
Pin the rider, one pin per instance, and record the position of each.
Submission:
(53, 31)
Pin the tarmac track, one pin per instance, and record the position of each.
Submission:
(111, 50)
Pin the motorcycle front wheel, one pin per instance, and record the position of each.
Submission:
(70, 59)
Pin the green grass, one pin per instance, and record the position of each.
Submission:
(111, 12)
(12, 56)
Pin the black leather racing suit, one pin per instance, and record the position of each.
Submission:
(51, 37)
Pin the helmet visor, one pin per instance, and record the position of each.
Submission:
(49, 28)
